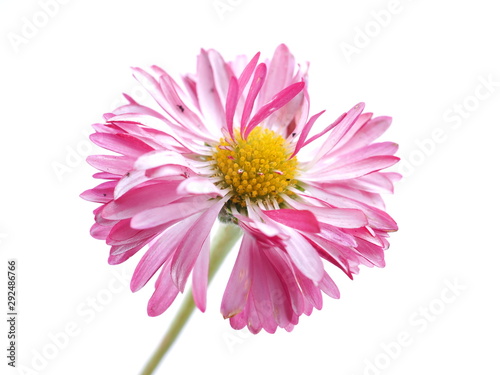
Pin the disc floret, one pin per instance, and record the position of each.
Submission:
(256, 168)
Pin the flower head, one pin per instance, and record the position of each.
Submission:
(234, 143)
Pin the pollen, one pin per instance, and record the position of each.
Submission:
(256, 168)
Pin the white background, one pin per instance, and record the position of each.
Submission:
(420, 65)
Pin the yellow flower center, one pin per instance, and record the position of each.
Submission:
(257, 168)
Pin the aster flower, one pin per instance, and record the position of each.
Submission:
(234, 142)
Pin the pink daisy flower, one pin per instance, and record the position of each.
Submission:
(234, 142)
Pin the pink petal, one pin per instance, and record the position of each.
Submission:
(164, 294)
(158, 158)
(111, 163)
(367, 235)
(253, 321)
(337, 254)
(179, 110)
(326, 130)
(374, 183)
(138, 177)
(363, 167)
(305, 131)
(152, 86)
(284, 120)
(160, 252)
(102, 193)
(375, 217)
(169, 214)
(155, 138)
(121, 143)
(338, 217)
(106, 176)
(200, 276)
(281, 98)
(345, 192)
(191, 245)
(262, 280)
(172, 171)
(279, 307)
(198, 186)
(393, 176)
(262, 232)
(374, 254)
(329, 287)
(123, 234)
(369, 132)
(247, 73)
(358, 124)
(131, 180)
(281, 262)
(301, 116)
(100, 220)
(170, 136)
(339, 131)
(239, 321)
(374, 149)
(356, 169)
(239, 284)
(99, 232)
(304, 256)
(255, 87)
(134, 107)
(190, 85)
(337, 235)
(222, 73)
(123, 248)
(122, 257)
(311, 292)
(141, 199)
(281, 70)
(210, 102)
(231, 102)
(298, 219)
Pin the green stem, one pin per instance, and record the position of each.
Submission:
(223, 242)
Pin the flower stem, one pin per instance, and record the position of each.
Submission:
(224, 240)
